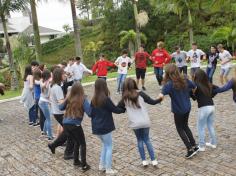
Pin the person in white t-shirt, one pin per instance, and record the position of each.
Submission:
(79, 69)
(69, 75)
(123, 63)
(225, 58)
(194, 56)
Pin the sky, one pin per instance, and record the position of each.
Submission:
(52, 14)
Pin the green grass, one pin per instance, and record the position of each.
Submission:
(11, 94)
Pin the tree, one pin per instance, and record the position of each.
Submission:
(228, 34)
(67, 28)
(93, 47)
(129, 37)
(37, 41)
(7, 6)
(76, 27)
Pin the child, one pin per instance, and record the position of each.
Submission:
(225, 58)
(212, 57)
(229, 85)
(123, 63)
(141, 65)
(100, 67)
(37, 74)
(206, 111)
(180, 60)
(134, 102)
(75, 105)
(103, 124)
(27, 94)
(44, 103)
(179, 88)
(194, 56)
(160, 58)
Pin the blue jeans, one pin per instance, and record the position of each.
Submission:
(32, 117)
(142, 136)
(159, 74)
(120, 81)
(206, 117)
(106, 153)
(210, 72)
(44, 106)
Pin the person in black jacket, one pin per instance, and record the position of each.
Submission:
(212, 57)
(102, 108)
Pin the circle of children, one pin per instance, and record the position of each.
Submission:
(60, 92)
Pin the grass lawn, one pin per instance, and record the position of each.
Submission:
(10, 94)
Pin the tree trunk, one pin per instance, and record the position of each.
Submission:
(131, 49)
(14, 80)
(190, 23)
(38, 48)
(138, 40)
(78, 48)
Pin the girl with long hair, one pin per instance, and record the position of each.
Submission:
(134, 101)
(179, 88)
(102, 122)
(206, 109)
(75, 106)
(27, 94)
(44, 103)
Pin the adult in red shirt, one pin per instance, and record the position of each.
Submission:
(141, 65)
(160, 57)
(100, 67)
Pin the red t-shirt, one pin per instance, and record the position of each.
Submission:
(101, 67)
(141, 59)
(160, 57)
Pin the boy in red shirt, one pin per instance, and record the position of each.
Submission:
(141, 65)
(100, 67)
(160, 57)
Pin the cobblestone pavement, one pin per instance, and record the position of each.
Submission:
(24, 152)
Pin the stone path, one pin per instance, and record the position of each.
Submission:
(24, 153)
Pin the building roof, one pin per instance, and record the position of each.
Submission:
(9, 29)
(42, 30)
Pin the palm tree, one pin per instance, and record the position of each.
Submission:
(129, 37)
(228, 34)
(38, 49)
(76, 26)
(7, 6)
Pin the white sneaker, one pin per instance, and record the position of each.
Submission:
(117, 93)
(154, 162)
(208, 144)
(101, 168)
(111, 172)
(145, 163)
(201, 149)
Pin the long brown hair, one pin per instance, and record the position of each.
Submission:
(101, 93)
(75, 100)
(202, 82)
(57, 76)
(130, 94)
(172, 74)
(37, 74)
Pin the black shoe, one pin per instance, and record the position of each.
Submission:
(77, 163)
(51, 148)
(144, 88)
(190, 153)
(36, 124)
(196, 149)
(85, 167)
(50, 138)
(31, 123)
(68, 156)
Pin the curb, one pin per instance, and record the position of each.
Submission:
(92, 83)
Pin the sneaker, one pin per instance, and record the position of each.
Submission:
(101, 168)
(160, 87)
(85, 167)
(111, 172)
(145, 163)
(144, 88)
(43, 133)
(51, 148)
(196, 149)
(36, 124)
(77, 163)
(208, 144)
(31, 123)
(154, 162)
(117, 93)
(50, 138)
(202, 149)
(190, 153)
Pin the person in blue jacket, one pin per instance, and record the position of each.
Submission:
(75, 106)
(102, 108)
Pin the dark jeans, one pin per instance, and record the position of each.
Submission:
(210, 72)
(41, 115)
(183, 70)
(63, 137)
(102, 77)
(181, 123)
(159, 74)
(77, 134)
(32, 116)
